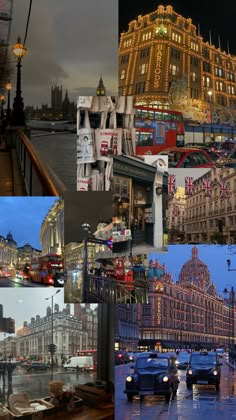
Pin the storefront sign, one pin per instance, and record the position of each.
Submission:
(157, 71)
(134, 172)
(159, 310)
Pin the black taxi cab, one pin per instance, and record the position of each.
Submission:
(154, 374)
(204, 369)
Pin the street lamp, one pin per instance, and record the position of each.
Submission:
(231, 307)
(18, 115)
(9, 88)
(52, 344)
(86, 227)
(210, 93)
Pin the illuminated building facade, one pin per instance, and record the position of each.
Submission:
(164, 61)
(52, 229)
(74, 255)
(213, 218)
(25, 255)
(8, 251)
(176, 216)
(126, 327)
(188, 313)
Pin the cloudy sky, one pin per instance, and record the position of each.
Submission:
(71, 43)
(25, 303)
(81, 208)
(23, 216)
(214, 256)
(181, 173)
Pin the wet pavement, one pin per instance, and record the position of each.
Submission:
(15, 282)
(35, 384)
(202, 402)
(59, 151)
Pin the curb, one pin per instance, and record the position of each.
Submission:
(230, 364)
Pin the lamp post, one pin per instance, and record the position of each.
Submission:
(18, 115)
(9, 88)
(231, 307)
(210, 96)
(86, 227)
(52, 344)
(2, 103)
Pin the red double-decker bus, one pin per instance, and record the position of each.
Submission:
(47, 269)
(157, 129)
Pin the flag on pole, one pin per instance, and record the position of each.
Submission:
(189, 186)
(171, 184)
(206, 185)
(223, 189)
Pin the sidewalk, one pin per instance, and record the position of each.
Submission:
(233, 366)
(11, 181)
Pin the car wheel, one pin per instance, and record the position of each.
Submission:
(217, 387)
(129, 397)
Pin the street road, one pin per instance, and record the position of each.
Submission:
(203, 402)
(15, 282)
(59, 151)
(35, 384)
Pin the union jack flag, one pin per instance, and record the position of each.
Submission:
(189, 186)
(176, 211)
(223, 189)
(207, 186)
(171, 184)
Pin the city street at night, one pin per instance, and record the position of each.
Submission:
(202, 402)
(15, 282)
(36, 384)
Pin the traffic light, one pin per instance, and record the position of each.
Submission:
(52, 348)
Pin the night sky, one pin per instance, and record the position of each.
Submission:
(23, 216)
(214, 256)
(210, 15)
(70, 43)
(83, 207)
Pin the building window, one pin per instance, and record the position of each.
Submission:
(194, 46)
(194, 77)
(176, 37)
(219, 72)
(140, 87)
(205, 53)
(127, 43)
(125, 59)
(144, 53)
(143, 68)
(122, 74)
(175, 53)
(206, 67)
(174, 70)
(194, 61)
(146, 36)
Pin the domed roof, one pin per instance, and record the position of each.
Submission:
(195, 272)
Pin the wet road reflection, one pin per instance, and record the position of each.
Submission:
(202, 402)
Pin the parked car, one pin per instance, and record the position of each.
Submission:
(203, 369)
(187, 157)
(182, 360)
(121, 357)
(32, 366)
(154, 374)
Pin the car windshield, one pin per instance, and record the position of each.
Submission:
(201, 359)
(173, 158)
(183, 357)
(144, 363)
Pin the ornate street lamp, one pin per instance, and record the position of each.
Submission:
(9, 88)
(18, 115)
(86, 227)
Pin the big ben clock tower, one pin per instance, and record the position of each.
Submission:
(101, 90)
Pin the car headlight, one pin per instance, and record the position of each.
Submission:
(177, 362)
(215, 372)
(165, 379)
(190, 372)
(129, 379)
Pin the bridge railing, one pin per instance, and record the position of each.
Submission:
(39, 178)
(110, 290)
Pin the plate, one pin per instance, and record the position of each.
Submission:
(202, 382)
(146, 393)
